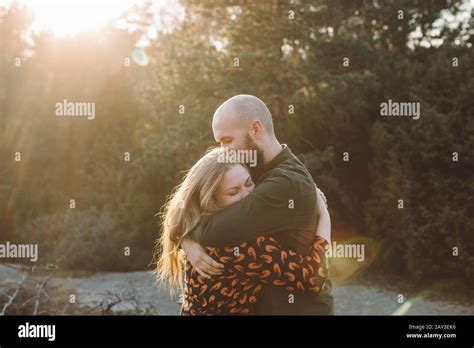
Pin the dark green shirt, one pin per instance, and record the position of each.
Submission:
(282, 204)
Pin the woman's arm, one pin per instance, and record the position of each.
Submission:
(266, 260)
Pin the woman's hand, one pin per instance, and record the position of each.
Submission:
(200, 260)
(321, 202)
(324, 220)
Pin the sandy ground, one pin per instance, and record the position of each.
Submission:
(348, 299)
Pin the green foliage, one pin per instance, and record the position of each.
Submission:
(89, 239)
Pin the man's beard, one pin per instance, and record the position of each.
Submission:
(256, 171)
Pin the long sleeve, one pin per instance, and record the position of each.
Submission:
(266, 260)
(266, 210)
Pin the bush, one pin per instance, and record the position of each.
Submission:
(87, 240)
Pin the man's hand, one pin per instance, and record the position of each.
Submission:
(200, 260)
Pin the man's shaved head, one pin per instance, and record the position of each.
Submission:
(241, 110)
(244, 122)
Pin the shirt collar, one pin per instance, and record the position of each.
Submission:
(284, 154)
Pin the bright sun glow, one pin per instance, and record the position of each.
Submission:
(64, 18)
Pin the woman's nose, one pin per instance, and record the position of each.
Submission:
(245, 193)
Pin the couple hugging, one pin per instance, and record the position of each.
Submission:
(251, 240)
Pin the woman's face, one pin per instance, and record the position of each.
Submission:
(235, 185)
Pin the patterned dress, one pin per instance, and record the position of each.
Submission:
(248, 267)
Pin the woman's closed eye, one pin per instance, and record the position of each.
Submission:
(233, 191)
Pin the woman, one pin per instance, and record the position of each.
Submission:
(208, 187)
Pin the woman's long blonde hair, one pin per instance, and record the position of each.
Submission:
(192, 199)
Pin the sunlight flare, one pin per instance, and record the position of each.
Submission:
(66, 18)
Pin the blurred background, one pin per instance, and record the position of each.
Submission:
(157, 70)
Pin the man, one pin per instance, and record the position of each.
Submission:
(283, 204)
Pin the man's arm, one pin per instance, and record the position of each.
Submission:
(268, 209)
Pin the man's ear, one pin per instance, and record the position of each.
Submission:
(256, 129)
